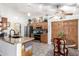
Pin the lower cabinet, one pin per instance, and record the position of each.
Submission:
(44, 38)
(27, 49)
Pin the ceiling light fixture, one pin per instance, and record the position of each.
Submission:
(28, 14)
(29, 4)
(40, 6)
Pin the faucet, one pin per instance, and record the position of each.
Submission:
(10, 33)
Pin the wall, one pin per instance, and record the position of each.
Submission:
(13, 17)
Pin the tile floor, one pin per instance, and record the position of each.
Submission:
(42, 49)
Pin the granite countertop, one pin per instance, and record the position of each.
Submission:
(18, 40)
(26, 39)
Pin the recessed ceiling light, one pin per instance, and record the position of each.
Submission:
(28, 4)
(28, 14)
(40, 6)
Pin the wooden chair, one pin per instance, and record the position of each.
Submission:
(60, 47)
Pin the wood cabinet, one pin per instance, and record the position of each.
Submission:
(70, 29)
(44, 38)
(26, 53)
(27, 48)
(3, 23)
(36, 25)
(44, 25)
(56, 27)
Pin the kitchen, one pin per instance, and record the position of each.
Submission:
(15, 39)
(29, 29)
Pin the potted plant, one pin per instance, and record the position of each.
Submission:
(61, 34)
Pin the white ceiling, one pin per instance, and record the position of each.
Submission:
(38, 9)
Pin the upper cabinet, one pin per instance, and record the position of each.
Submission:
(44, 25)
(3, 23)
(36, 25)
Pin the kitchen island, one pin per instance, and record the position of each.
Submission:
(15, 47)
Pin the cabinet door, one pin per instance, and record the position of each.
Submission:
(4, 23)
(36, 25)
(66, 30)
(44, 25)
(70, 31)
(56, 28)
(73, 30)
(44, 38)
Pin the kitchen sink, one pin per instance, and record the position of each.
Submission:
(16, 36)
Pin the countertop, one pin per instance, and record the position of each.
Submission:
(26, 39)
(17, 40)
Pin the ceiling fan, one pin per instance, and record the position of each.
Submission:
(62, 11)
